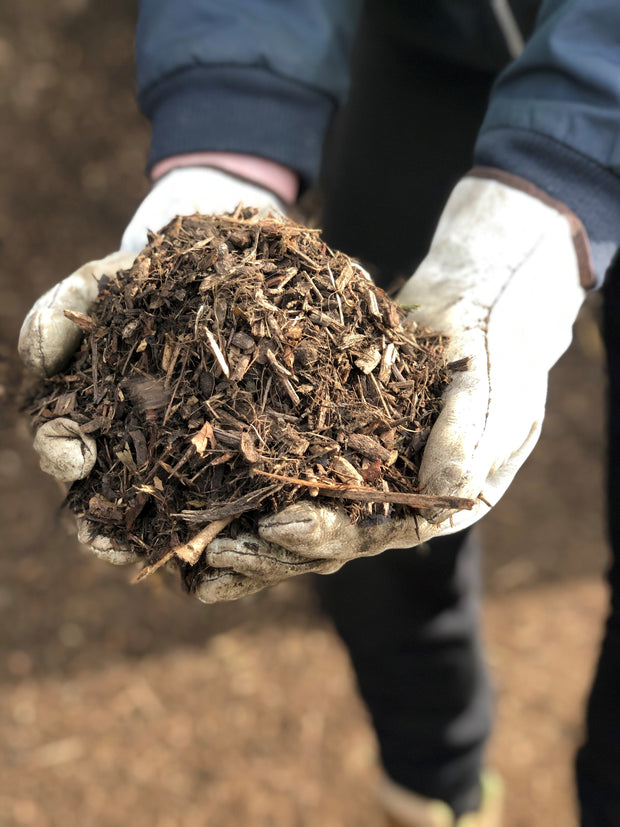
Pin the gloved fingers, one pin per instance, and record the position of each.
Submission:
(47, 338)
(499, 477)
(502, 473)
(104, 547)
(512, 428)
(219, 585)
(451, 463)
(449, 522)
(327, 533)
(309, 530)
(64, 450)
(392, 533)
(255, 557)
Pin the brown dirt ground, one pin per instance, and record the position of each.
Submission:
(123, 704)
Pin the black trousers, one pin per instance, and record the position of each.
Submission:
(598, 761)
(410, 617)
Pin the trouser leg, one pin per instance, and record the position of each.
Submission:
(598, 761)
(408, 617)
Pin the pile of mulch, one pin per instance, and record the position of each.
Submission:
(238, 366)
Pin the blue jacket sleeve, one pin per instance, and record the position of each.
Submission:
(262, 77)
(554, 116)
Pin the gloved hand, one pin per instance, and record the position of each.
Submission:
(502, 279)
(47, 338)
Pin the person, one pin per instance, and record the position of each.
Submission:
(473, 145)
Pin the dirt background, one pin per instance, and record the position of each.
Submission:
(123, 704)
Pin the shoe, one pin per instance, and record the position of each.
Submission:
(404, 808)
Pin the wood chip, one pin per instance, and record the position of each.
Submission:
(83, 321)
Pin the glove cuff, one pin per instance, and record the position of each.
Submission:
(282, 181)
(189, 189)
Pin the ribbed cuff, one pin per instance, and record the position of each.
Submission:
(589, 190)
(242, 110)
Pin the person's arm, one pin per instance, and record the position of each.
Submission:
(247, 90)
(250, 77)
(554, 117)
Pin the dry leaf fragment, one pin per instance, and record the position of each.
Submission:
(346, 472)
(371, 470)
(130, 328)
(204, 439)
(142, 266)
(294, 333)
(124, 455)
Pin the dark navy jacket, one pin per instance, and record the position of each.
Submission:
(265, 77)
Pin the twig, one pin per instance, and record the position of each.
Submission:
(189, 552)
(371, 495)
(221, 511)
(217, 352)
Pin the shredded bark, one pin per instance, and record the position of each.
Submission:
(238, 366)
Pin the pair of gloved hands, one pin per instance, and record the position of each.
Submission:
(501, 279)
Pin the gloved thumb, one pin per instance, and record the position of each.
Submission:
(47, 338)
(65, 451)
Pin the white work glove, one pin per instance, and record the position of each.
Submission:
(502, 280)
(48, 339)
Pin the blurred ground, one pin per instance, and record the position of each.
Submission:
(122, 704)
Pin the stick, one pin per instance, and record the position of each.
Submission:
(221, 511)
(370, 495)
(371, 448)
(217, 352)
(189, 552)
